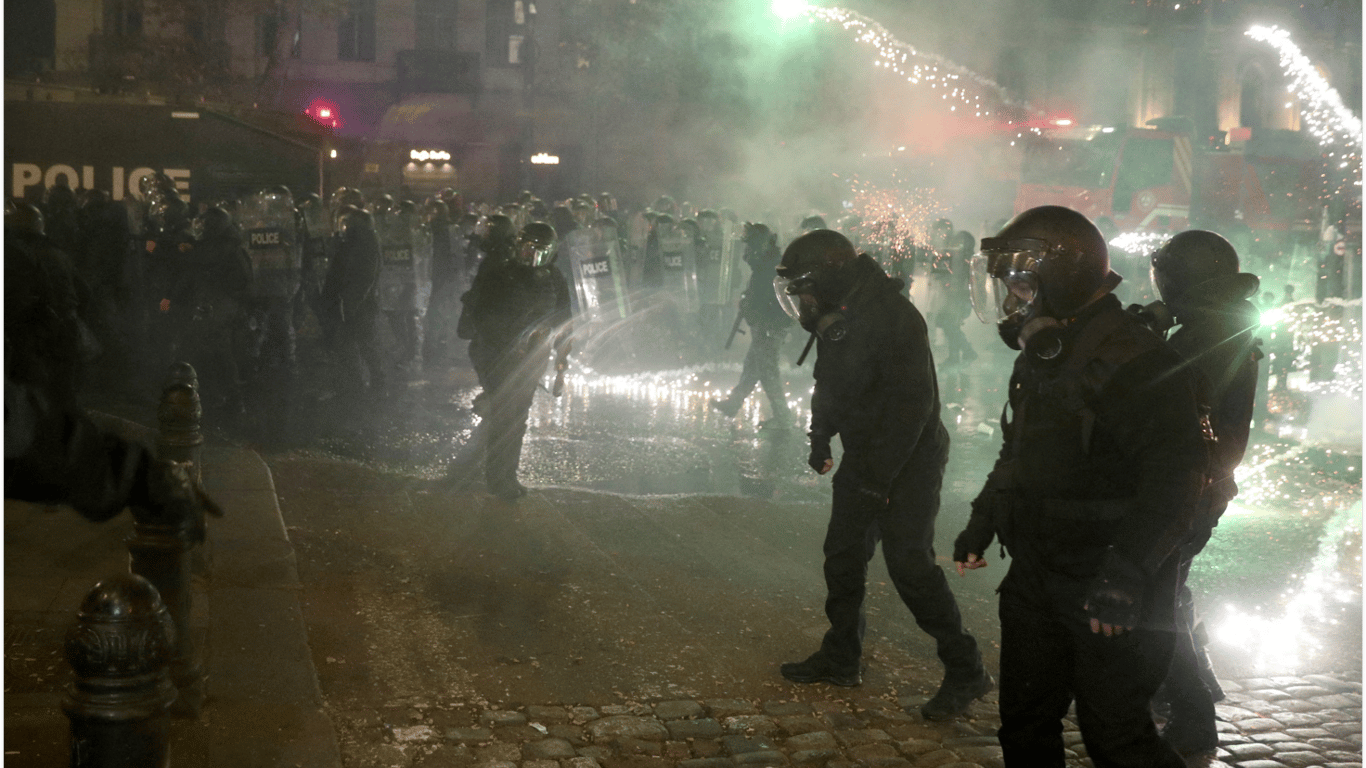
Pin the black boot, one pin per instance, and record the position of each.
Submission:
(727, 406)
(957, 693)
(819, 669)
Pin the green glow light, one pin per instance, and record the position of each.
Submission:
(789, 9)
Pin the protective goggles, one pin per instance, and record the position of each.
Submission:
(536, 254)
(1005, 276)
(790, 289)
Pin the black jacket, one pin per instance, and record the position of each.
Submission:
(1218, 340)
(509, 300)
(876, 386)
(353, 272)
(1103, 452)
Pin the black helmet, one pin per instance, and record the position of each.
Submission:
(213, 222)
(760, 242)
(60, 196)
(350, 217)
(536, 245)
(812, 222)
(500, 230)
(815, 277)
(309, 198)
(1051, 261)
(24, 216)
(1198, 264)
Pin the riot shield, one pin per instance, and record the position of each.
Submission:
(678, 258)
(405, 276)
(273, 243)
(595, 260)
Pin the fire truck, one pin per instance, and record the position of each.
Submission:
(1261, 183)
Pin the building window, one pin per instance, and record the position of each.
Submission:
(435, 24)
(356, 32)
(508, 24)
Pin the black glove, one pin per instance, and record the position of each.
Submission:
(975, 538)
(1115, 596)
(820, 452)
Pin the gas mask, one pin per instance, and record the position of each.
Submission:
(817, 307)
(1006, 287)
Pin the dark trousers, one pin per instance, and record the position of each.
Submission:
(761, 367)
(358, 351)
(1049, 657)
(511, 388)
(1190, 686)
(905, 523)
(408, 326)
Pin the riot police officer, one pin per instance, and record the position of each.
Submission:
(405, 280)
(1103, 460)
(517, 309)
(270, 227)
(1196, 274)
(315, 231)
(47, 306)
(876, 390)
(768, 324)
(350, 291)
(217, 277)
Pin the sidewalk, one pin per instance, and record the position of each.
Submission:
(263, 706)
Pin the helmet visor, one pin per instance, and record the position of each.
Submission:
(796, 295)
(534, 253)
(1004, 277)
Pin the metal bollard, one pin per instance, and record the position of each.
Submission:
(119, 703)
(180, 439)
(178, 415)
(159, 551)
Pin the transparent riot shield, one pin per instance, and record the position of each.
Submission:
(273, 244)
(678, 257)
(405, 276)
(595, 260)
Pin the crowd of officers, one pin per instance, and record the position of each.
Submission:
(1120, 438)
(228, 286)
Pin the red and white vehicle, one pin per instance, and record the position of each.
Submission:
(1154, 180)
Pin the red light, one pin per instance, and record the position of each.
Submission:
(324, 112)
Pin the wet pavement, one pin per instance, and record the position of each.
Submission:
(633, 609)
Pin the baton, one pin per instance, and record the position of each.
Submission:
(734, 329)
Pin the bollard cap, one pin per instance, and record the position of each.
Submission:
(182, 373)
(179, 409)
(122, 629)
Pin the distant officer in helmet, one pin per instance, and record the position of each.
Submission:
(1097, 482)
(1196, 274)
(768, 324)
(876, 390)
(351, 293)
(517, 310)
(218, 276)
